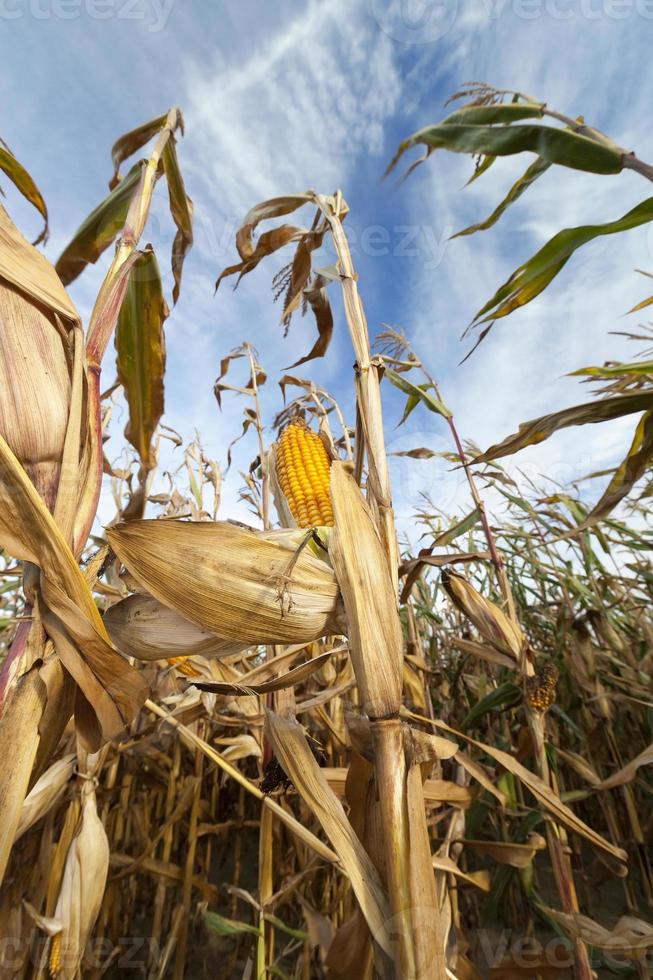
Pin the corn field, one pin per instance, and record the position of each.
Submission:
(298, 748)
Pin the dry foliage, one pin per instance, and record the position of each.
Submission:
(299, 752)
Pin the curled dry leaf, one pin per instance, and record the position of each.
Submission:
(479, 879)
(630, 937)
(627, 773)
(505, 852)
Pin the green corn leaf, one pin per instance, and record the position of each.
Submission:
(629, 472)
(300, 934)
(537, 430)
(483, 165)
(228, 927)
(454, 532)
(25, 184)
(615, 370)
(480, 115)
(141, 353)
(536, 169)
(503, 697)
(98, 231)
(416, 394)
(534, 276)
(561, 146)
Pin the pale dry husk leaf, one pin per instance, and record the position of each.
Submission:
(82, 887)
(294, 754)
(36, 320)
(361, 566)
(238, 583)
(144, 628)
(46, 793)
(112, 689)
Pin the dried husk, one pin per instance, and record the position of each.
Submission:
(361, 566)
(19, 723)
(82, 887)
(142, 627)
(46, 793)
(36, 319)
(242, 585)
(493, 625)
(111, 690)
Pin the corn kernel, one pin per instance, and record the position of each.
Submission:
(303, 474)
(183, 666)
(541, 689)
(54, 963)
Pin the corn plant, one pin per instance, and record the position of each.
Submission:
(296, 748)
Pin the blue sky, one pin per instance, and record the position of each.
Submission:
(283, 97)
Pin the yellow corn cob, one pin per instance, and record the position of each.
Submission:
(541, 689)
(54, 964)
(303, 474)
(182, 665)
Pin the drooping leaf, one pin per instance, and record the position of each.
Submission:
(416, 394)
(562, 146)
(531, 278)
(25, 184)
(97, 232)
(630, 470)
(628, 772)
(293, 752)
(318, 300)
(228, 927)
(450, 535)
(123, 148)
(112, 691)
(537, 430)
(543, 793)
(181, 208)
(536, 169)
(140, 346)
